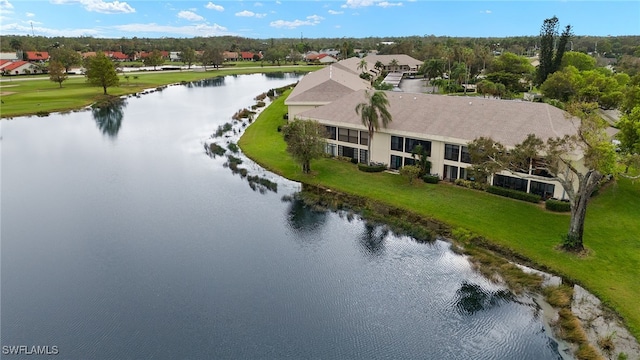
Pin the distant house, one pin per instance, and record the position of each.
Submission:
(117, 56)
(19, 67)
(37, 56)
(174, 56)
(230, 56)
(88, 54)
(8, 56)
(326, 59)
(247, 56)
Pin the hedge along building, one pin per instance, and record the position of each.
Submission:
(444, 125)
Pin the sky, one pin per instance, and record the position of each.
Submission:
(266, 19)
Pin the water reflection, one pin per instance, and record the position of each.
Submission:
(303, 219)
(109, 117)
(212, 82)
(372, 240)
(471, 298)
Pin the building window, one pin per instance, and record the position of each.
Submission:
(409, 161)
(331, 149)
(450, 172)
(331, 132)
(364, 158)
(510, 182)
(465, 157)
(396, 162)
(347, 152)
(348, 135)
(451, 152)
(410, 144)
(364, 138)
(538, 168)
(396, 143)
(543, 189)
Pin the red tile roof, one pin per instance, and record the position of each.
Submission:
(37, 55)
(15, 65)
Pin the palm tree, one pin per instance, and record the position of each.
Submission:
(372, 112)
(432, 68)
(394, 64)
(362, 65)
(379, 65)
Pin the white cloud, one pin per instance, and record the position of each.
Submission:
(29, 14)
(258, 4)
(31, 22)
(358, 3)
(189, 30)
(6, 7)
(353, 4)
(311, 21)
(333, 12)
(100, 6)
(190, 15)
(26, 30)
(386, 4)
(485, 11)
(212, 6)
(278, 2)
(247, 13)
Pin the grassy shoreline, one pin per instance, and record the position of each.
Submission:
(29, 96)
(610, 271)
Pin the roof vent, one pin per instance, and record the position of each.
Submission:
(470, 103)
(414, 98)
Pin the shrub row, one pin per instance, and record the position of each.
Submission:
(557, 205)
(476, 185)
(431, 179)
(372, 168)
(514, 194)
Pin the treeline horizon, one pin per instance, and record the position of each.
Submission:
(420, 47)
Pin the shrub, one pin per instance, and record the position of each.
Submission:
(476, 185)
(514, 194)
(214, 149)
(431, 179)
(260, 104)
(410, 172)
(557, 205)
(233, 148)
(354, 161)
(372, 168)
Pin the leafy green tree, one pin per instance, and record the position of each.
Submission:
(629, 135)
(511, 70)
(556, 157)
(67, 57)
(578, 60)
(56, 72)
(154, 59)
(372, 113)
(550, 55)
(188, 56)
(563, 85)
(101, 72)
(305, 141)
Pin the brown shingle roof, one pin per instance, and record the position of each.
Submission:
(456, 119)
(325, 85)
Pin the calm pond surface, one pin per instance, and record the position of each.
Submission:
(122, 239)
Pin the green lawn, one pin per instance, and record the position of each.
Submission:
(26, 97)
(612, 230)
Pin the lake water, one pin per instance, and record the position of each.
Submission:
(122, 239)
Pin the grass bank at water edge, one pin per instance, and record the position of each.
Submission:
(610, 271)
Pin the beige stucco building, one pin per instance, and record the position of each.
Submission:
(444, 125)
